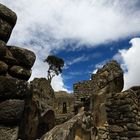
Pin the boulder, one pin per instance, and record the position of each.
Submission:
(41, 117)
(12, 88)
(20, 72)
(74, 129)
(2, 48)
(8, 133)
(8, 14)
(3, 67)
(25, 57)
(5, 30)
(7, 21)
(9, 59)
(42, 93)
(11, 111)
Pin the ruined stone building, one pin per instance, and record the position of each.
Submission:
(63, 106)
(93, 93)
(97, 110)
(108, 114)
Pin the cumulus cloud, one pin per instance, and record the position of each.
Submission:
(130, 59)
(45, 25)
(93, 22)
(59, 85)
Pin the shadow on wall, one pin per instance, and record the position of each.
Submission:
(81, 135)
(46, 123)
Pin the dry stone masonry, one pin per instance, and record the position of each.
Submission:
(112, 114)
(72, 129)
(15, 70)
(63, 106)
(123, 115)
(90, 104)
(111, 73)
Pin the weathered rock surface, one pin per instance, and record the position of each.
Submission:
(93, 93)
(11, 111)
(20, 72)
(8, 14)
(3, 67)
(18, 60)
(63, 106)
(42, 93)
(63, 98)
(9, 58)
(15, 70)
(123, 114)
(11, 88)
(77, 128)
(2, 48)
(111, 76)
(41, 117)
(7, 22)
(8, 133)
(25, 57)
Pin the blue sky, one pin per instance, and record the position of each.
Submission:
(85, 33)
(88, 59)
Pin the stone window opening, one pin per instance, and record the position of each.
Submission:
(64, 108)
(83, 100)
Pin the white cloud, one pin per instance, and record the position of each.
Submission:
(99, 66)
(87, 21)
(40, 70)
(59, 85)
(131, 62)
(76, 60)
(44, 25)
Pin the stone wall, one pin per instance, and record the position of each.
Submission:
(15, 70)
(110, 72)
(63, 106)
(64, 102)
(112, 115)
(92, 124)
(123, 115)
(26, 110)
(92, 94)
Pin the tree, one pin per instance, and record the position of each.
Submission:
(55, 66)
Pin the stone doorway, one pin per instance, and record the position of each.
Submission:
(64, 108)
